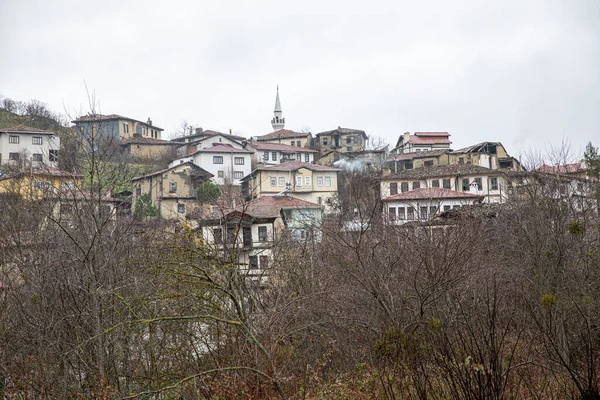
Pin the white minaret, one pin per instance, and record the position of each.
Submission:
(278, 122)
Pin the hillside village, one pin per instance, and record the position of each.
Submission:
(252, 216)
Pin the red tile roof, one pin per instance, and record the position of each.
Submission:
(271, 206)
(428, 140)
(432, 134)
(282, 134)
(284, 148)
(561, 169)
(25, 129)
(431, 193)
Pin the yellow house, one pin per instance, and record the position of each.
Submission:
(172, 191)
(310, 182)
(38, 183)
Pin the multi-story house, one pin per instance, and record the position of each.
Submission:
(276, 153)
(35, 147)
(288, 137)
(421, 141)
(226, 163)
(486, 182)
(251, 232)
(172, 191)
(115, 126)
(310, 182)
(344, 140)
(486, 154)
(425, 203)
(206, 138)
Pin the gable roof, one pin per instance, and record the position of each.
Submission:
(282, 134)
(284, 148)
(205, 134)
(344, 131)
(431, 193)
(561, 169)
(295, 165)
(222, 148)
(110, 117)
(418, 154)
(150, 141)
(476, 148)
(198, 170)
(44, 172)
(442, 171)
(271, 206)
(25, 129)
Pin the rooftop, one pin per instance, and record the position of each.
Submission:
(222, 148)
(271, 206)
(199, 171)
(284, 148)
(110, 117)
(294, 165)
(441, 171)
(343, 131)
(419, 154)
(431, 193)
(282, 134)
(24, 129)
(561, 169)
(151, 141)
(208, 134)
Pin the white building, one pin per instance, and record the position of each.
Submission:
(276, 153)
(23, 143)
(424, 204)
(227, 163)
(205, 139)
(421, 141)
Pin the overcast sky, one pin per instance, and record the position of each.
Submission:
(526, 73)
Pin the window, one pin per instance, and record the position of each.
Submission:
(13, 139)
(53, 155)
(327, 181)
(349, 140)
(247, 236)
(281, 181)
(408, 165)
(392, 213)
(273, 181)
(410, 213)
(349, 148)
(36, 140)
(66, 208)
(356, 140)
(138, 191)
(172, 187)
(479, 184)
(180, 208)
(435, 183)
(293, 142)
(218, 235)
(14, 156)
(461, 160)
(446, 208)
(41, 185)
(238, 160)
(465, 185)
(220, 174)
(416, 185)
(274, 155)
(264, 262)
(125, 127)
(266, 156)
(325, 141)
(428, 163)
(37, 157)
(307, 181)
(432, 210)
(298, 144)
(446, 184)
(494, 183)
(231, 234)
(238, 174)
(253, 262)
(306, 157)
(401, 213)
(262, 233)
(393, 188)
(404, 187)
(423, 212)
(217, 159)
(298, 181)
(319, 181)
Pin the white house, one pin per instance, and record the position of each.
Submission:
(24, 143)
(227, 163)
(276, 153)
(205, 139)
(424, 204)
(421, 141)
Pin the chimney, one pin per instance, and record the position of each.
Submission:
(199, 131)
(230, 131)
(149, 121)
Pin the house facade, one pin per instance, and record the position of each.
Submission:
(486, 154)
(226, 163)
(341, 139)
(23, 144)
(206, 138)
(425, 204)
(38, 183)
(421, 141)
(250, 232)
(172, 191)
(310, 182)
(276, 153)
(115, 126)
(486, 182)
(143, 148)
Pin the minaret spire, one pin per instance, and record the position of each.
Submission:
(278, 122)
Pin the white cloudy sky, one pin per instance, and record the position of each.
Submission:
(526, 73)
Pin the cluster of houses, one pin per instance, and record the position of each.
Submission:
(288, 180)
